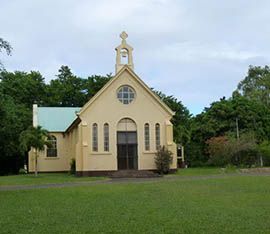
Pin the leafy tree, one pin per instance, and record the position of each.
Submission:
(4, 45)
(264, 151)
(70, 90)
(181, 119)
(36, 138)
(67, 90)
(256, 84)
(229, 150)
(94, 83)
(25, 88)
(15, 118)
(220, 119)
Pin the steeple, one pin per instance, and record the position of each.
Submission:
(123, 54)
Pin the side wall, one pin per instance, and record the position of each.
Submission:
(53, 164)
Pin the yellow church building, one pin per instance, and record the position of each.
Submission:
(120, 128)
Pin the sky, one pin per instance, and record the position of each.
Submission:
(197, 51)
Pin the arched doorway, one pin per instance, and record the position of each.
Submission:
(127, 157)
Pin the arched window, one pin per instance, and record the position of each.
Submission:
(95, 137)
(157, 129)
(106, 137)
(52, 147)
(146, 137)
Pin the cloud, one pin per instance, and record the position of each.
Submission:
(195, 50)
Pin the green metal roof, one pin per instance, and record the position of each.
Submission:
(56, 119)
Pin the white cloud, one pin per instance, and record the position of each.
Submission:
(196, 50)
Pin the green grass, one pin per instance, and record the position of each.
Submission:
(231, 204)
(204, 171)
(43, 178)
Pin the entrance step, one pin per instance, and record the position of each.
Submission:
(134, 174)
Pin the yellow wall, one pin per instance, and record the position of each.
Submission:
(108, 109)
(59, 163)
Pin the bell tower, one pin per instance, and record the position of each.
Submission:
(123, 54)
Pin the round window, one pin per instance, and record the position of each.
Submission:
(125, 94)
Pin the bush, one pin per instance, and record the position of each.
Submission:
(73, 166)
(195, 155)
(227, 150)
(163, 160)
(218, 151)
(264, 151)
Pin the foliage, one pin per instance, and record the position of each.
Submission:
(181, 119)
(264, 151)
(66, 90)
(69, 90)
(229, 150)
(219, 154)
(4, 45)
(14, 119)
(73, 166)
(94, 83)
(34, 137)
(24, 88)
(256, 84)
(163, 160)
(221, 119)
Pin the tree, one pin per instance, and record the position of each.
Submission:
(25, 88)
(181, 119)
(94, 83)
(35, 138)
(70, 90)
(67, 90)
(256, 84)
(220, 119)
(15, 118)
(4, 45)
(227, 150)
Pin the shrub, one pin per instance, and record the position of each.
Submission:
(163, 160)
(243, 152)
(73, 166)
(218, 151)
(264, 151)
(228, 150)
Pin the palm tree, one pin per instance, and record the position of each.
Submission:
(35, 137)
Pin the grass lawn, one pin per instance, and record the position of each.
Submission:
(231, 204)
(43, 178)
(204, 171)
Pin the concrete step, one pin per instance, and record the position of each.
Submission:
(134, 174)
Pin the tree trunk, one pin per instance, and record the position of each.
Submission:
(261, 160)
(36, 171)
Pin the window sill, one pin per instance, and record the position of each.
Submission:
(51, 158)
(100, 153)
(149, 152)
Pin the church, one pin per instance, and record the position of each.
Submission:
(120, 128)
